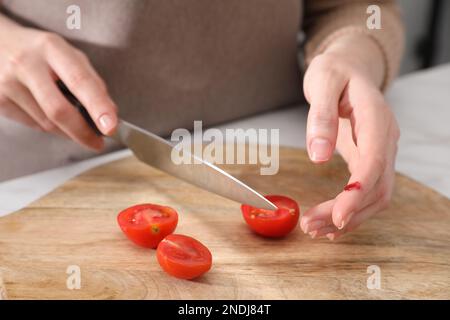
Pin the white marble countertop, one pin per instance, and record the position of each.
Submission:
(420, 100)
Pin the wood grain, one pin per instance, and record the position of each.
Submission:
(76, 225)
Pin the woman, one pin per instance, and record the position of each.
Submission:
(168, 63)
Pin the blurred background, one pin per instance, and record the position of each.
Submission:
(427, 33)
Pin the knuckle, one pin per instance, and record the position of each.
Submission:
(319, 63)
(86, 135)
(48, 126)
(3, 100)
(320, 117)
(327, 65)
(49, 40)
(331, 72)
(56, 110)
(322, 61)
(81, 55)
(379, 163)
(78, 77)
(56, 114)
(4, 80)
(16, 60)
(322, 71)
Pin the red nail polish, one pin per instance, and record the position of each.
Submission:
(353, 186)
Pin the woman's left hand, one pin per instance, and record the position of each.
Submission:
(348, 112)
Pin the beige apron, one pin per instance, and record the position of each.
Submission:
(167, 63)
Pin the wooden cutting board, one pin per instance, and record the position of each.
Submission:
(75, 225)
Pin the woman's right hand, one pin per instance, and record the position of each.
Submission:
(31, 61)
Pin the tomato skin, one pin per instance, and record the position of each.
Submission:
(147, 224)
(183, 257)
(273, 223)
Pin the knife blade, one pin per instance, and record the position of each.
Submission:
(156, 152)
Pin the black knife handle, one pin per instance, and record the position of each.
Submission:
(77, 104)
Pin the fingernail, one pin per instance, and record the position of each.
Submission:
(106, 122)
(314, 225)
(313, 234)
(320, 149)
(330, 236)
(344, 221)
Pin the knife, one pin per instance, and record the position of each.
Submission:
(156, 152)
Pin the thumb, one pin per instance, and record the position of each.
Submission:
(321, 133)
(323, 90)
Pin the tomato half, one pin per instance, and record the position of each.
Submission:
(183, 257)
(273, 223)
(147, 224)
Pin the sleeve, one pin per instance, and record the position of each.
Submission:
(327, 20)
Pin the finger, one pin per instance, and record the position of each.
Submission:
(349, 201)
(317, 217)
(357, 220)
(74, 69)
(333, 233)
(321, 215)
(24, 100)
(347, 148)
(323, 89)
(10, 110)
(371, 163)
(382, 192)
(58, 109)
(361, 216)
(323, 231)
(318, 220)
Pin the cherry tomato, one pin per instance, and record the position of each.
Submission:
(273, 223)
(183, 257)
(147, 224)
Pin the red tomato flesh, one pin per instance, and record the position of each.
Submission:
(147, 224)
(273, 223)
(183, 257)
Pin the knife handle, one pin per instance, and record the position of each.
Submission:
(77, 104)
